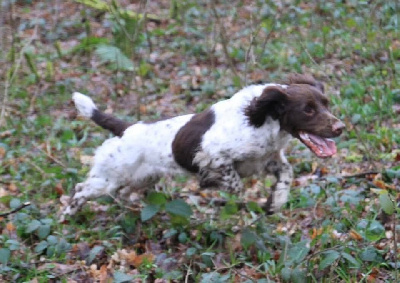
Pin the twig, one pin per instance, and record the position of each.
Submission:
(224, 41)
(243, 275)
(25, 204)
(188, 273)
(308, 54)
(395, 247)
(121, 204)
(36, 167)
(361, 174)
(9, 80)
(252, 38)
(267, 38)
(51, 157)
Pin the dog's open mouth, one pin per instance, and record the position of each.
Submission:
(322, 147)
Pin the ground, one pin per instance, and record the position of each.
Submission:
(143, 60)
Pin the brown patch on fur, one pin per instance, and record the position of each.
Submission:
(188, 139)
(304, 79)
(111, 123)
(270, 103)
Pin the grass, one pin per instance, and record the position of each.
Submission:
(331, 230)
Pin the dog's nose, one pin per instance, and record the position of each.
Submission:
(338, 127)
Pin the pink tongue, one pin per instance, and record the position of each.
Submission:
(322, 147)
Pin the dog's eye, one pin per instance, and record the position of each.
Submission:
(309, 110)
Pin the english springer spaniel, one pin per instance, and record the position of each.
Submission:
(243, 136)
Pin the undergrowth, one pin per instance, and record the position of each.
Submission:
(153, 59)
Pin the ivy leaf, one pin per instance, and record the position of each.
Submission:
(386, 203)
(149, 211)
(32, 226)
(4, 255)
(248, 238)
(286, 272)
(13, 245)
(375, 231)
(329, 259)
(179, 207)
(43, 231)
(156, 198)
(120, 277)
(351, 259)
(94, 252)
(369, 254)
(298, 252)
(14, 203)
(41, 247)
(298, 275)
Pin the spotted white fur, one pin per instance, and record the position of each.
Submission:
(143, 154)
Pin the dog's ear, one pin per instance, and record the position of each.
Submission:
(272, 102)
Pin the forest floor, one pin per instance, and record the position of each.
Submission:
(340, 223)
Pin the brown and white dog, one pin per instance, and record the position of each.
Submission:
(243, 136)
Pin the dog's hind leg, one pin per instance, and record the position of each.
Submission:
(92, 188)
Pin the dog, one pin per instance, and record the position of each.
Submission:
(239, 137)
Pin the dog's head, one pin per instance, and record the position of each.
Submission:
(302, 110)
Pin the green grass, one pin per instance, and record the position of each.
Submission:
(331, 230)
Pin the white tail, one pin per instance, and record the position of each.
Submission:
(84, 104)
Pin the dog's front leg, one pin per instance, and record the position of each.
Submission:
(283, 172)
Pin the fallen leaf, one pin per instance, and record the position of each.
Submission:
(2, 152)
(324, 171)
(143, 109)
(380, 184)
(103, 274)
(136, 260)
(354, 235)
(373, 275)
(316, 232)
(59, 189)
(3, 192)
(5, 134)
(12, 187)
(81, 250)
(10, 227)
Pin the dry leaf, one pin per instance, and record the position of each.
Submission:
(324, 171)
(103, 274)
(59, 189)
(12, 187)
(5, 134)
(136, 260)
(354, 235)
(10, 227)
(143, 109)
(316, 232)
(380, 184)
(3, 192)
(2, 152)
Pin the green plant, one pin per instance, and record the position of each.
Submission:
(178, 210)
